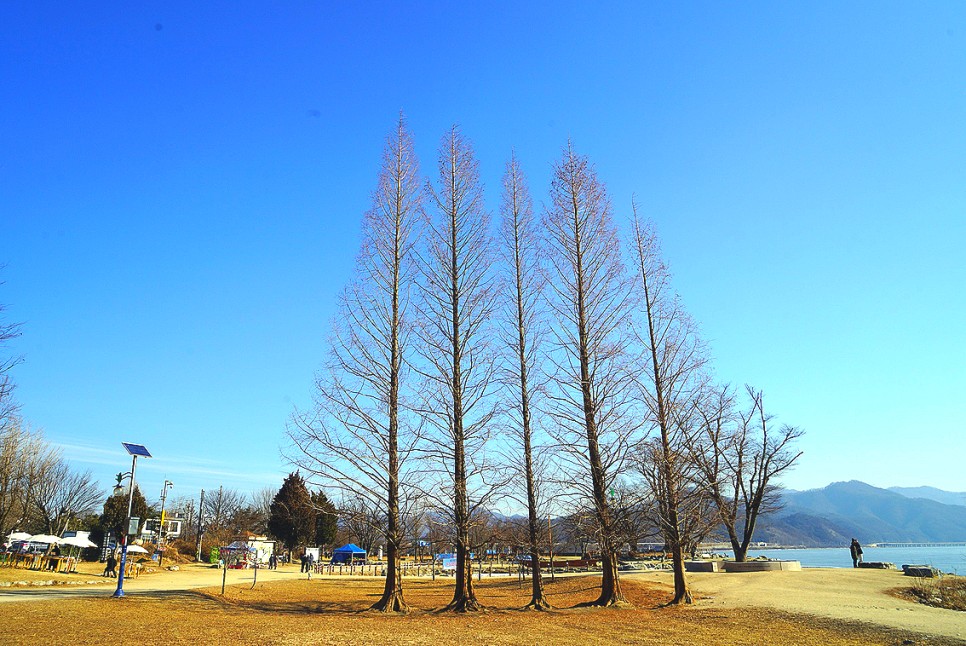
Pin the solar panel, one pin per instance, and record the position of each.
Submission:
(136, 449)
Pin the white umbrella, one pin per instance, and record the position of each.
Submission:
(78, 541)
(136, 548)
(44, 538)
(18, 536)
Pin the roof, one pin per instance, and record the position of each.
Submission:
(350, 547)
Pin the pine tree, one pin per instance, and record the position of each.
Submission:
(292, 518)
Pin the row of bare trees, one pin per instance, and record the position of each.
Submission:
(39, 491)
(468, 369)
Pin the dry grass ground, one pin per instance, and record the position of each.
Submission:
(948, 591)
(333, 611)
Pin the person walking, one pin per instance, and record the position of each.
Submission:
(111, 568)
(856, 550)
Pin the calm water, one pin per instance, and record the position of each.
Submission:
(947, 559)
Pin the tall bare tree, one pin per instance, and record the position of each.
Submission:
(8, 406)
(740, 456)
(522, 332)
(458, 299)
(671, 382)
(358, 436)
(589, 295)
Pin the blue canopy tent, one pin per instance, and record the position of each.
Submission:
(348, 553)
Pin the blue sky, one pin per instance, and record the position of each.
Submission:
(181, 189)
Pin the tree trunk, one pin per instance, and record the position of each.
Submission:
(610, 585)
(464, 597)
(741, 552)
(682, 594)
(392, 595)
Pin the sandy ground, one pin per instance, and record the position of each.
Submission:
(843, 594)
(188, 577)
(847, 594)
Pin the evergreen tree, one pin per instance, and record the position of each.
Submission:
(292, 518)
(114, 518)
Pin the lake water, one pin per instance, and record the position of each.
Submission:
(950, 559)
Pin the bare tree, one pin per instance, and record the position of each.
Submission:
(358, 436)
(8, 406)
(522, 332)
(184, 507)
(364, 522)
(740, 456)
(458, 299)
(26, 460)
(62, 493)
(220, 508)
(589, 295)
(671, 382)
(697, 516)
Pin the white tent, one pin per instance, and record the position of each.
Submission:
(78, 541)
(47, 539)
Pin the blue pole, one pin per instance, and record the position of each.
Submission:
(130, 501)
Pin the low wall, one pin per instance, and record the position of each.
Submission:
(762, 566)
(702, 566)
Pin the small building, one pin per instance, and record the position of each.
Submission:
(251, 549)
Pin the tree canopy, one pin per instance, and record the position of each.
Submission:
(292, 516)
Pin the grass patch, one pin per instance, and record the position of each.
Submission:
(328, 611)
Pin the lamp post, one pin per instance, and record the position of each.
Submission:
(135, 451)
(164, 492)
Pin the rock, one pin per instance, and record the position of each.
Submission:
(173, 568)
(877, 565)
(920, 571)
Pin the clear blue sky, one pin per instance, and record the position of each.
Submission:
(181, 189)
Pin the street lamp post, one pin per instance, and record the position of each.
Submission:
(135, 451)
(164, 492)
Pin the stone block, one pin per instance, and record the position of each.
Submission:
(702, 566)
(877, 565)
(762, 566)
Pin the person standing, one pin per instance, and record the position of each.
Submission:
(856, 550)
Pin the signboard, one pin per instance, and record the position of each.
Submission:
(132, 526)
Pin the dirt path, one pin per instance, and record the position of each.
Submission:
(188, 578)
(846, 594)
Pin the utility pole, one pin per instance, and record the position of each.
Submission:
(201, 528)
(164, 494)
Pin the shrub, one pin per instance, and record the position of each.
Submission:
(948, 591)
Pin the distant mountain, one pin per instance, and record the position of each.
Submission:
(833, 515)
(931, 493)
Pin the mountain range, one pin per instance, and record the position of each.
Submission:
(833, 515)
